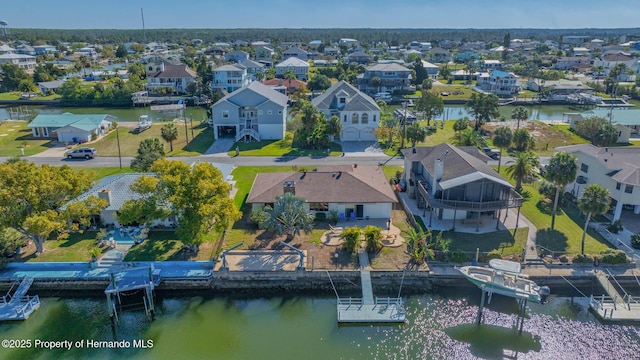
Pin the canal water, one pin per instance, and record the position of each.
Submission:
(122, 114)
(451, 112)
(440, 326)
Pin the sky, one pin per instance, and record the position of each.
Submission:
(212, 14)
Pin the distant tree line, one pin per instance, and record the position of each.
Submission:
(369, 36)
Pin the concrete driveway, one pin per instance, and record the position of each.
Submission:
(361, 148)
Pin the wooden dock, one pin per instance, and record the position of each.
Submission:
(19, 306)
(614, 306)
(368, 309)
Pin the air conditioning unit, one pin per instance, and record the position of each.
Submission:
(582, 179)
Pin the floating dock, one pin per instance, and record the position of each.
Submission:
(614, 306)
(369, 309)
(19, 306)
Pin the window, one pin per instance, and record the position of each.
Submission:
(354, 118)
(628, 189)
(343, 100)
(584, 168)
(319, 206)
(365, 118)
(345, 118)
(279, 112)
(618, 185)
(374, 118)
(36, 133)
(269, 112)
(225, 114)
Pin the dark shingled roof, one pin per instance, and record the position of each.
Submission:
(175, 71)
(336, 184)
(458, 162)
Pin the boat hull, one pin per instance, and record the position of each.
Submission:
(484, 278)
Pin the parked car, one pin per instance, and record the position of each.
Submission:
(79, 153)
(492, 153)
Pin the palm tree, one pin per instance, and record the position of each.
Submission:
(522, 166)
(416, 133)
(288, 216)
(468, 137)
(519, 114)
(334, 126)
(522, 140)
(289, 75)
(169, 133)
(461, 124)
(561, 171)
(376, 82)
(502, 139)
(594, 201)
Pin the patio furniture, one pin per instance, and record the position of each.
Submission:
(342, 217)
(353, 215)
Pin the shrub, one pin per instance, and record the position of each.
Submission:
(259, 217)
(563, 259)
(94, 136)
(373, 237)
(456, 256)
(613, 256)
(320, 216)
(351, 236)
(582, 259)
(333, 217)
(95, 252)
(493, 254)
(548, 190)
(102, 234)
(615, 227)
(635, 241)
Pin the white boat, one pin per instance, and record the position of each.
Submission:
(144, 123)
(506, 283)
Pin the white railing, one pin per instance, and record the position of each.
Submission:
(244, 132)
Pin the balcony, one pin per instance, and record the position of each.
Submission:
(514, 200)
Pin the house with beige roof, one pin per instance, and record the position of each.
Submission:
(456, 183)
(354, 192)
(615, 168)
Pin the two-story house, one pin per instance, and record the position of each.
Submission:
(501, 83)
(171, 77)
(615, 168)
(236, 56)
(392, 77)
(253, 112)
(489, 64)
(358, 113)
(439, 55)
(24, 62)
(295, 52)
(359, 57)
(264, 55)
(255, 70)
(230, 77)
(457, 185)
(299, 67)
(610, 59)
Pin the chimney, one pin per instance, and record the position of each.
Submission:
(290, 187)
(105, 194)
(438, 168)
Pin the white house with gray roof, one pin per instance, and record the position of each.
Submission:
(71, 128)
(358, 113)
(615, 168)
(253, 112)
(299, 67)
(230, 77)
(626, 121)
(393, 77)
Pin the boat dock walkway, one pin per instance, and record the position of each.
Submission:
(614, 306)
(369, 309)
(19, 306)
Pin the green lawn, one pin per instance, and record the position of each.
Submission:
(508, 242)
(567, 235)
(244, 176)
(74, 248)
(14, 134)
(165, 246)
(129, 141)
(280, 148)
(13, 95)
(390, 171)
(99, 173)
(456, 92)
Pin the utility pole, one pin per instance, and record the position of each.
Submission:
(404, 124)
(144, 31)
(186, 130)
(191, 119)
(119, 154)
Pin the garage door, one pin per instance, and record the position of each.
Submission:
(349, 134)
(72, 136)
(367, 135)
